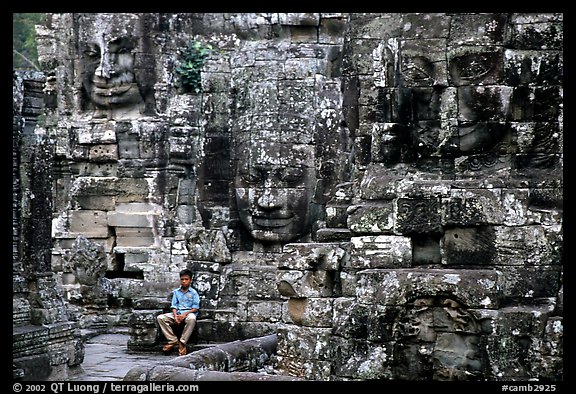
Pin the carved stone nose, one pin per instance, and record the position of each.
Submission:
(104, 69)
(267, 200)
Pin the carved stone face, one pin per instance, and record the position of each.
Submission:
(482, 107)
(108, 44)
(274, 185)
(450, 99)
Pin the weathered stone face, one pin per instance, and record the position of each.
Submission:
(108, 43)
(450, 334)
(443, 91)
(274, 186)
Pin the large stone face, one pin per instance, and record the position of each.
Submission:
(382, 190)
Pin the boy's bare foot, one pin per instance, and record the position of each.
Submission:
(182, 349)
(169, 346)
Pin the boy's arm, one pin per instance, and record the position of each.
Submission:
(174, 304)
(196, 302)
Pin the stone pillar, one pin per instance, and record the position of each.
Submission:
(46, 346)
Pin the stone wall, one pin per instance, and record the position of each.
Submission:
(457, 216)
(45, 343)
(383, 191)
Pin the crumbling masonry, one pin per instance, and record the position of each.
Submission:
(382, 191)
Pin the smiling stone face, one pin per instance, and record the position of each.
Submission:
(108, 44)
(274, 185)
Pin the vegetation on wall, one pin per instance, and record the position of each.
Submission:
(24, 51)
(190, 68)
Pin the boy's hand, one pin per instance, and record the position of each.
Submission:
(181, 318)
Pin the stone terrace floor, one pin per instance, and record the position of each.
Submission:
(107, 358)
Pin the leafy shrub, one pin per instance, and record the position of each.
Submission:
(190, 67)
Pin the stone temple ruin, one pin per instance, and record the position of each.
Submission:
(381, 192)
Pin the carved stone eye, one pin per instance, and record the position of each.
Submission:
(417, 69)
(291, 175)
(476, 69)
(92, 51)
(252, 175)
(414, 73)
(472, 67)
(123, 50)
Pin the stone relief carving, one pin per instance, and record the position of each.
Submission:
(274, 186)
(108, 45)
(443, 97)
(439, 339)
(275, 160)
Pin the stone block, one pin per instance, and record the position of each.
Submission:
(478, 29)
(305, 343)
(128, 149)
(469, 246)
(206, 283)
(234, 282)
(380, 182)
(264, 311)
(553, 340)
(314, 370)
(508, 348)
(102, 153)
(207, 245)
(135, 188)
(363, 360)
(121, 219)
(530, 283)
(349, 319)
(333, 235)
(257, 329)
(100, 203)
(371, 219)
(302, 19)
(475, 288)
(143, 330)
(538, 35)
(314, 256)
(418, 215)
(534, 67)
(90, 223)
(426, 250)
(382, 251)
(473, 207)
(308, 312)
(298, 284)
(134, 258)
(262, 284)
(483, 170)
(533, 245)
(331, 29)
(131, 242)
(95, 169)
(138, 208)
(144, 232)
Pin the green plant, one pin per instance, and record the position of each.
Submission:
(24, 47)
(190, 67)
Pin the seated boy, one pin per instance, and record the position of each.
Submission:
(185, 306)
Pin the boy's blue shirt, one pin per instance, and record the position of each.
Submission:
(184, 301)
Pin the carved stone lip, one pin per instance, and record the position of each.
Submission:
(110, 90)
(470, 125)
(272, 221)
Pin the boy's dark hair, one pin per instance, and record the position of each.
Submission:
(186, 272)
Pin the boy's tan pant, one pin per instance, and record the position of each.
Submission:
(166, 321)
